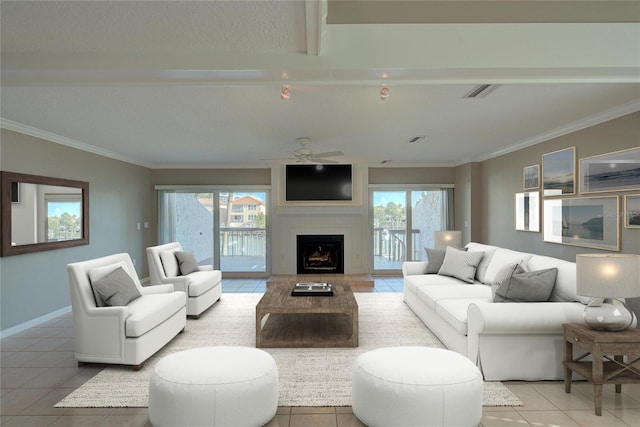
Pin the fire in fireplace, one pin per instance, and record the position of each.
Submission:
(318, 254)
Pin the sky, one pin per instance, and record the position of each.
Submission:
(382, 198)
(58, 208)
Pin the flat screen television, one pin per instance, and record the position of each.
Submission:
(318, 182)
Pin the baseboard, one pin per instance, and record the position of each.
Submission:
(34, 322)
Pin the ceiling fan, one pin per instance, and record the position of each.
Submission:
(304, 154)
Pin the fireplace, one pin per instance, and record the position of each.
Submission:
(318, 254)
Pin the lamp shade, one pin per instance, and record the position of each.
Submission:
(608, 275)
(448, 238)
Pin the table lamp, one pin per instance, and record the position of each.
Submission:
(448, 238)
(606, 277)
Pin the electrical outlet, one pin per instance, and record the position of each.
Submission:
(138, 226)
(146, 224)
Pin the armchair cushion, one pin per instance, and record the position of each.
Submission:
(116, 288)
(170, 263)
(151, 310)
(187, 262)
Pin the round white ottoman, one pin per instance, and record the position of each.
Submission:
(416, 386)
(214, 386)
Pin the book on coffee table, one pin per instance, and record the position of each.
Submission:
(306, 289)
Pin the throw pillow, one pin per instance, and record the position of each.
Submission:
(187, 262)
(435, 258)
(117, 288)
(98, 273)
(528, 286)
(460, 264)
(503, 277)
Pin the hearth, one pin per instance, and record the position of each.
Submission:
(320, 254)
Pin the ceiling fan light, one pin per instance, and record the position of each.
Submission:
(285, 93)
(384, 92)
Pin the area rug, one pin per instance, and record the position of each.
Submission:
(308, 377)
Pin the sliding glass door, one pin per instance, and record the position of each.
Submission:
(226, 229)
(404, 222)
(243, 231)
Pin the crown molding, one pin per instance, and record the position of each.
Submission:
(596, 119)
(69, 142)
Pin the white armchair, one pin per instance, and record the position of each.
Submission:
(127, 334)
(203, 287)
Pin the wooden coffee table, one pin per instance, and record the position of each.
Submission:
(309, 321)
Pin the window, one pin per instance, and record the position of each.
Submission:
(200, 221)
(404, 222)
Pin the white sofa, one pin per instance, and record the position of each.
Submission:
(127, 334)
(203, 287)
(506, 340)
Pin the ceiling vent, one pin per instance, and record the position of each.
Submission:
(481, 91)
(417, 139)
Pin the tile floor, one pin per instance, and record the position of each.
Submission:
(37, 369)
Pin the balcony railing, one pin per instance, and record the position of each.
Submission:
(238, 241)
(391, 244)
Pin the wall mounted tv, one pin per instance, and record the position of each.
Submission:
(318, 182)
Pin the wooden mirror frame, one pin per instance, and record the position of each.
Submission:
(7, 179)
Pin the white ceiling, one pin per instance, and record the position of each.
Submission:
(197, 84)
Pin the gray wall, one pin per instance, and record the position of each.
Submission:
(501, 178)
(35, 285)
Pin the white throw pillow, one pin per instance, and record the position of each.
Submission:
(460, 264)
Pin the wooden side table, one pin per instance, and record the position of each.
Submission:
(607, 365)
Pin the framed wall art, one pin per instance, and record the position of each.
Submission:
(632, 211)
(617, 171)
(559, 172)
(528, 211)
(592, 222)
(531, 177)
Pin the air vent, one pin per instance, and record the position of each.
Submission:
(481, 91)
(417, 139)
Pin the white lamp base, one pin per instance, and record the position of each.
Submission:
(608, 314)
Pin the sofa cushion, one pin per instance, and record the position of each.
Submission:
(430, 295)
(98, 273)
(186, 262)
(150, 310)
(202, 281)
(460, 264)
(454, 311)
(488, 251)
(116, 288)
(435, 258)
(170, 263)
(503, 258)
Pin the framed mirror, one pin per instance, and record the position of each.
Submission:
(41, 213)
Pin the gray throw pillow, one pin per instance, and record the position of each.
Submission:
(460, 264)
(503, 277)
(186, 262)
(435, 258)
(528, 286)
(116, 288)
